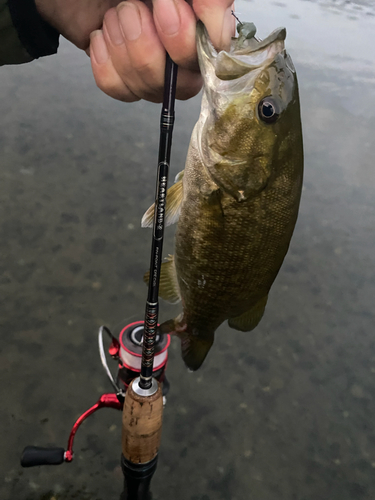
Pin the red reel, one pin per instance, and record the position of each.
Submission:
(130, 354)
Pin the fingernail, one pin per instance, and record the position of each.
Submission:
(111, 23)
(99, 47)
(167, 16)
(130, 21)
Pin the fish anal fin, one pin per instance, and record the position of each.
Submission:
(248, 320)
(173, 205)
(168, 285)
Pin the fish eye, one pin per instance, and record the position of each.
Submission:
(267, 110)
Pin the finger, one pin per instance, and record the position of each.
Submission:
(136, 51)
(189, 84)
(106, 76)
(217, 17)
(175, 23)
(137, 72)
(145, 50)
(138, 55)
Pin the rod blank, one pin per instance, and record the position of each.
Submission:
(165, 144)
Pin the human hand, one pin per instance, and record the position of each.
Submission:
(75, 19)
(128, 54)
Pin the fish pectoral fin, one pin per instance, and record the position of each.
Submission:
(249, 319)
(194, 349)
(168, 285)
(173, 204)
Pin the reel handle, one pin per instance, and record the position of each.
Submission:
(36, 455)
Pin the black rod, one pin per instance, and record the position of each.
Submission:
(165, 144)
(137, 479)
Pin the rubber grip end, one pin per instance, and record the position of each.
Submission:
(36, 455)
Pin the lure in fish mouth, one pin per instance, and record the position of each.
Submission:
(246, 52)
(237, 200)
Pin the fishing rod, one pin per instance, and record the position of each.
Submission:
(143, 409)
(142, 354)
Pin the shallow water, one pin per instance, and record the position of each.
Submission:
(289, 419)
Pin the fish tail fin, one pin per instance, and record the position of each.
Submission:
(194, 351)
(194, 348)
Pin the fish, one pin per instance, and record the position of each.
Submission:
(236, 203)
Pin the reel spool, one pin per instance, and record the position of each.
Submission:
(128, 352)
(130, 355)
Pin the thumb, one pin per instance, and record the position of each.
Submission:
(217, 17)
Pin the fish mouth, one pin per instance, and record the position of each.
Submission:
(241, 58)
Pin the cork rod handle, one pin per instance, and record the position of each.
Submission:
(141, 426)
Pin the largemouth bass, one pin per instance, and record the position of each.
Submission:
(237, 200)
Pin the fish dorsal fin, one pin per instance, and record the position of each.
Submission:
(249, 319)
(173, 205)
(168, 285)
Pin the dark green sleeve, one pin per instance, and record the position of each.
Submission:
(11, 49)
(24, 35)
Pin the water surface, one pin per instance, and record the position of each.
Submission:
(290, 418)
